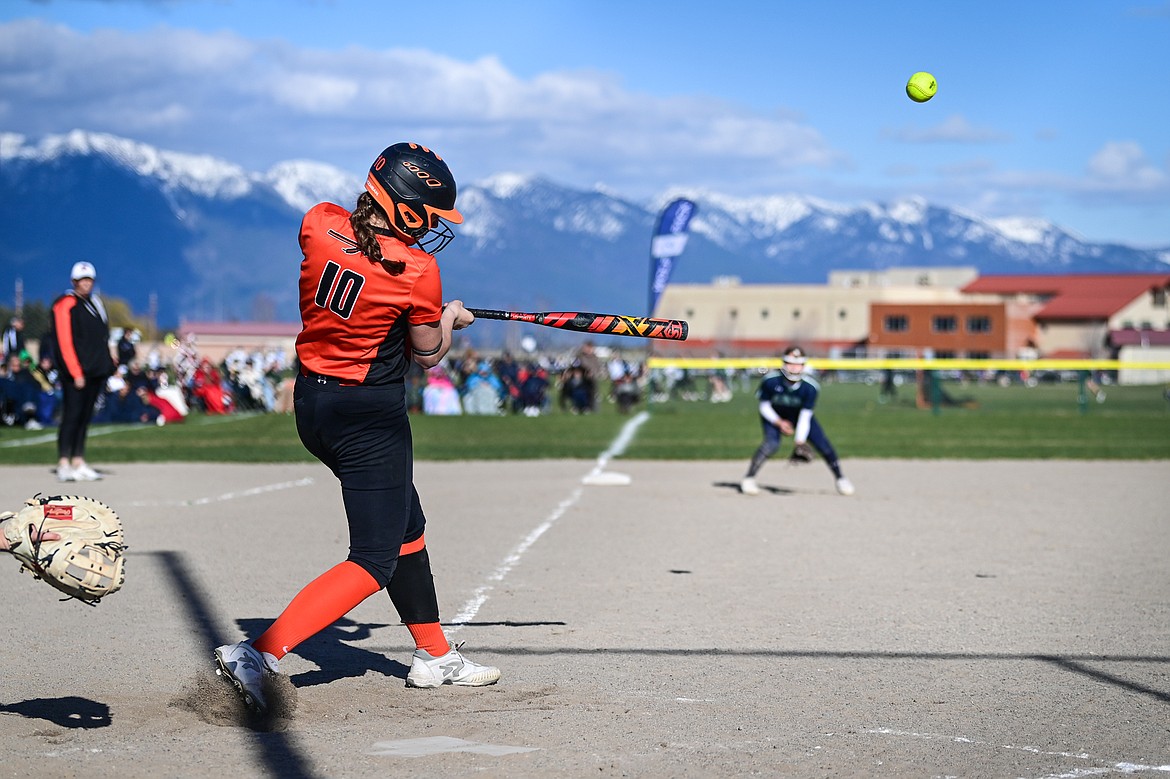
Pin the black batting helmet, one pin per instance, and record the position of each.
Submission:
(415, 188)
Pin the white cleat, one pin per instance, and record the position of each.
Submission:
(844, 486)
(65, 473)
(749, 487)
(451, 668)
(245, 668)
(84, 473)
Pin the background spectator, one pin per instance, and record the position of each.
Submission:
(208, 389)
(440, 397)
(483, 392)
(533, 390)
(49, 394)
(19, 391)
(126, 349)
(14, 337)
(576, 390)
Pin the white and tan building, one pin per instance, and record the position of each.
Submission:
(761, 319)
(947, 312)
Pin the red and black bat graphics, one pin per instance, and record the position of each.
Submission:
(601, 324)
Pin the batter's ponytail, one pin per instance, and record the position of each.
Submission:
(367, 237)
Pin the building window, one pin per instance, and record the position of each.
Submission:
(1159, 297)
(979, 355)
(896, 323)
(796, 313)
(841, 314)
(733, 313)
(763, 313)
(944, 324)
(978, 324)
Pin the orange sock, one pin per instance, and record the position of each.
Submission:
(430, 638)
(322, 602)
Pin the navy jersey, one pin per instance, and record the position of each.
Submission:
(786, 396)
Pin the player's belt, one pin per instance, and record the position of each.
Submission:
(321, 378)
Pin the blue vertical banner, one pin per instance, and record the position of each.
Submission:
(667, 244)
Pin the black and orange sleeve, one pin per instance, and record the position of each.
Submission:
(63, 326)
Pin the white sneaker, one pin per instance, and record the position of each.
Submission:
(749, 487)
(451, 668)
(844, 486)
(32, 424)
(65, 473)
(245, 668)
(84, 473)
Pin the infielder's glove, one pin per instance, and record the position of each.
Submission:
(86, 562)
(802, 453)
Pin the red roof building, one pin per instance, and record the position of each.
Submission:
(1075, 315)
(1075, 296)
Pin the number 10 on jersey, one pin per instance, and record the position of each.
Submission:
(338, 289)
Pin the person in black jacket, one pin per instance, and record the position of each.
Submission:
(80, 332)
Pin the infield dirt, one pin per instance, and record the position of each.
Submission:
(975, 619)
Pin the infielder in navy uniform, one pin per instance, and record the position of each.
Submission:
(787, 400)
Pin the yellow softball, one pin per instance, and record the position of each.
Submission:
(921, 87)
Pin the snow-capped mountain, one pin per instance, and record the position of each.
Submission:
(210, 240)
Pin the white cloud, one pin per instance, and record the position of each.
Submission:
(953, 129)
(1124, 164)
(314, 93)
(257, 102)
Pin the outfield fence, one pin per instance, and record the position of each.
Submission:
(930, 375)
(910, 363)
(1119, 371)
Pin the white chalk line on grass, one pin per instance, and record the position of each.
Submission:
(251, 491)
(1120, 767)
(619, 444)
(48, 438)
(480, 596)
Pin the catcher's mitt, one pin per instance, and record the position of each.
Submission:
(802, 453)
(86, 562)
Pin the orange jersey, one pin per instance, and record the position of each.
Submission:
(354, 314)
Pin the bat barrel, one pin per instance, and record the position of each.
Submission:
(599, 324)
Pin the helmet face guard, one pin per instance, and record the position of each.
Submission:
(415, 188)
(794, 361)
(435, 239)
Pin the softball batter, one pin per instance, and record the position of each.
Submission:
(787, 400)
(371, 301)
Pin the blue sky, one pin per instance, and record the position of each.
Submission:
(1056, 110)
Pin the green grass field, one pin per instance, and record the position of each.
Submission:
(1013, 422)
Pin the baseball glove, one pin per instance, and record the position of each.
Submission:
(802, 453)
(86, 562)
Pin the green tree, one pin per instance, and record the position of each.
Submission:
(121, 315)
